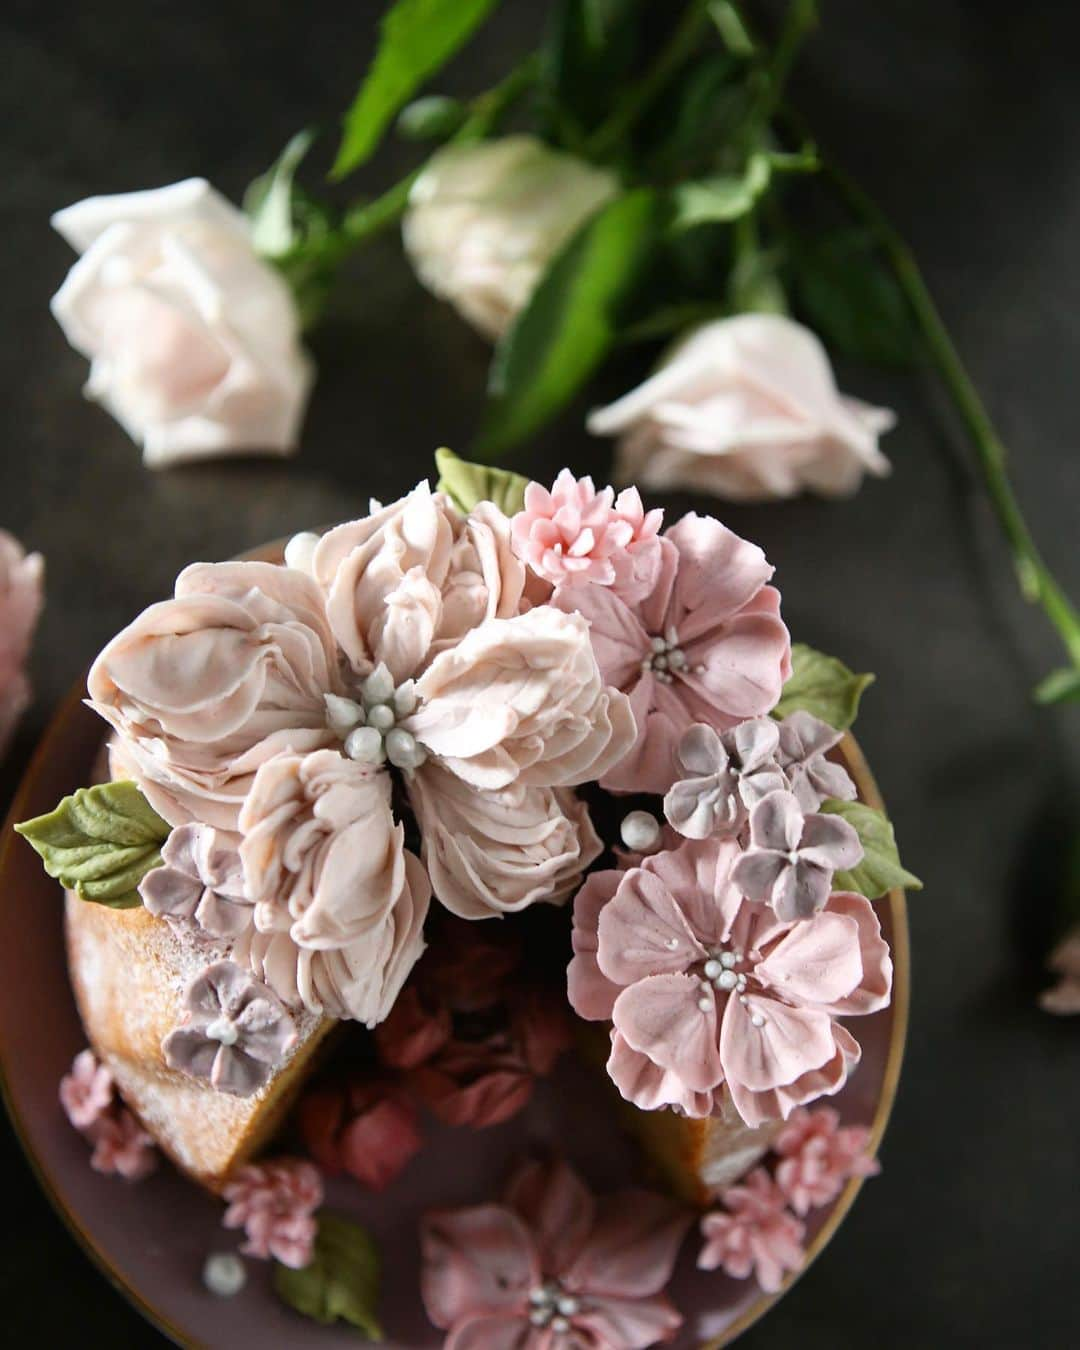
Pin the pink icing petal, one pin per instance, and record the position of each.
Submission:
(650, 1087)
(831, 842)
(817, 962)
(875, 986)
(642, 931)
(719, 573)
(699, 873)
(617, 636)
(777, 823)
(788, 1043)
(558, 1210)
(592, 995)
(758, 1108)
(627, 1324)
(661, 1016)
(651, 764)
(476, 1261)
(498, 1333)
(632, 1248)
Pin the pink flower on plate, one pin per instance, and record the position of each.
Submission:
(121, 1146)
(364, 1126)
(817, 1156)
(574, 534)
(708, 990)
(707, 644)
(275, 1204)
(754, 1234)
(86, 1091)
(20, 604)
(552, 1268)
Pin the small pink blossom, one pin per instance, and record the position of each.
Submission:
(121, 1146)
(552, 1267)
(275, 1204)
(818, 1156)
(86, 1092)
(754, 1234)
(574, 534)
(20, 604)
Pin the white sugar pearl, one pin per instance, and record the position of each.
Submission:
(705, 1003)
(381, 717)
(727, 979)
(366, 745)
(405, 699)
(342, 714)
(757, 1020)
(568, 1305)
(727, 959)
(300, 550)
(640, 831)
(403, 751)
(560, 1324)
(712, 969)
(223, 1030)
(379, 685)
(659, 645)
(224, 1274)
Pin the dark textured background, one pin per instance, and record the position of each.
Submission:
(963, 119)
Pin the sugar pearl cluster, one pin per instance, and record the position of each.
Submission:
(550, 1306)
(369, 726)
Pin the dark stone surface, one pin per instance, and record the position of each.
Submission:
(962, 119)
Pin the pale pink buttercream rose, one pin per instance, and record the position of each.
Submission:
(522, 700)
(193, 339)
(706, 645)
(20, 604)
(746, 408)
(206, 687)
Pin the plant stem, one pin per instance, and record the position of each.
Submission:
(1036, 581)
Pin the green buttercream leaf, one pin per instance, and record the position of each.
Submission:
(823, 686)
(466, 484)
(342, 1281)
(880, 869)
(100, 842)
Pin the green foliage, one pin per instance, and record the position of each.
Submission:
(432, 118)
(726, 197)
(342, 1281)
(880, 869)
(823, 686)
(466, 484)
(269, 201)
(590, 52)
(416, 38)
(100, 842)
(1060, 686)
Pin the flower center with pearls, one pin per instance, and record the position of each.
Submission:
(727, 971)
(368, 726)
(551, 1306)
(666, 658)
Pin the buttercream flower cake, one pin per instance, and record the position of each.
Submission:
(495, 778)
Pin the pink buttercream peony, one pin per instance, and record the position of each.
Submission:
(817, 1156)
(754, 1234)
(551, 1266)
(21, 577)
(708, 990)
(574, 534)
(706, 645)
(275, 1204)
(86, 1091)
(121, 1146)
(364, 1126)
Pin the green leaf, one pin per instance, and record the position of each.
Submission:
(431, 118)
(466, 484)
(730, 26)
(100, 842)
(342, 1281)
(590, 52)
(726, 197)
(850, 296)
(416, 38)
(569, 324)
(269, 200)
(823, 686)
(1060, 686)
(880, 869)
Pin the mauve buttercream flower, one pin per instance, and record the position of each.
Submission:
(709, 991)
(21, 576)
(200, 885)
(818, 1155)
(706, 645)
(365, 1126)
(726, 776)
(121, 1146)
(552, 1266)
(234, 1031)
(86, 1090)
(754, 1234)
(275, 1203)
(193, 339)
(576, 535)
(745, 408)
(805, 741)
(793, 856)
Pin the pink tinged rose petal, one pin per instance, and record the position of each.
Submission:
(558, 1210)
(647, 1086)
(673, 1020)
(765, 1044)
(642, 932)
(592, 995)
(817, 962)
(476, 1261)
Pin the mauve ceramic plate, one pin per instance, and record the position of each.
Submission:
(151, 1239)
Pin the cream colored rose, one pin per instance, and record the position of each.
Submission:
(192, 339)
(745, 408)
(485, 220)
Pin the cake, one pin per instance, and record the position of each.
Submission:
(570, 753)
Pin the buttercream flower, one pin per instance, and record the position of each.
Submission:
(484, 220)
(551, 1266)
(20, 604)
(745, 408)
(364, 1126)
(805, 741)
(1064, 962)
(275, 1203)
(122, 1147)
(754, 1234)
(728, 775)
(86, 1090)
(708, 990)
(574, 534)
(200, 885)
(193, 340)
(793, 856)
(817, 1156)
(706, 645)
(234, 1032)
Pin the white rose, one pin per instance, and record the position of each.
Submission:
(745, 408)
(485, 220)
(192, 338)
